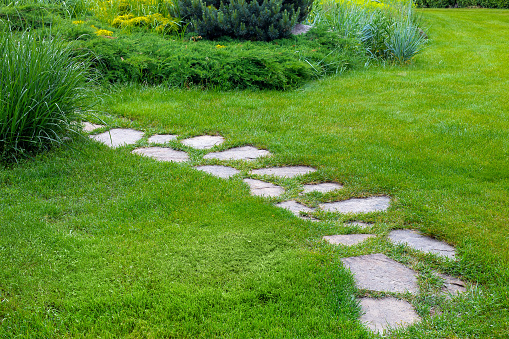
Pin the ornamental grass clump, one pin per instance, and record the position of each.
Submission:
(41, 93)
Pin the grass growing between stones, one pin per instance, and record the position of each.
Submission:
(101, 242)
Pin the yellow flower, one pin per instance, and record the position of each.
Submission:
(104, 32)
(220, 46)
(78, 22)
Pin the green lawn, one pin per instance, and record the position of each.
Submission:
(97, 242)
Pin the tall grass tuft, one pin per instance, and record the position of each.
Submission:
(41, 93)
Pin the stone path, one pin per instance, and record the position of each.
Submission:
(372, 272)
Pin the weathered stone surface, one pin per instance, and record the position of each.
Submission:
(203, 141)
(219, 171)
(162, 138)
(119, 137)
(264, 189)
(361, 205)
(452, 285)
(89, 127)
(347, 239)
(238, 153)
(321, 188)
(360, 224)
(284, 172)
(300, 29)
(162, 154)
(377, 272)
(422, 243)
(294, 207)
(381, 314)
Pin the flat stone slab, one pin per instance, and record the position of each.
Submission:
(452, 285)
(162, 138)
(89, 127)
(300, 29)
(423, 243)
(321, 188)
(382, 314)
(203, 141)
(119, 137)
(219, 171)
(347, 239)
(294, 207)
(360, 224)
(377, 272)
(358, 205)
(162, 154)
(264, 189)
(284, 172)
(238, 153)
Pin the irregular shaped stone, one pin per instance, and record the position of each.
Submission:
(284, 172)
(321, 188)
(89, 127)
(203, 141)
(358, 205)
(238, 153)
(264, 189)
(382, 314)
(119, 137)
(362, 225)
(162, 154)
(452, 285)
(300, 29)
(295, 207)
(377, 272)
(347, 239)
(420, 242)
(219, 171)
(162, 138)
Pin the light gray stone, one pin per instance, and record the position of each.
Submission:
(162, 138)
(420, 242)
(89, 127)
(360, 224)
(162, 154)
(377, 272)
(321, 188)
(358, 205)
(347, 239)
(452, 285)
(382, 314)
(264, 189)
(284, 172)
(238, 153)
(203, 141)
(295, 207)
(219, 171)
(300, 29)
(119, 137)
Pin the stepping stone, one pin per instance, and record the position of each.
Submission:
(362, 225)
(294, 207)
(321, 188)
(300, 29)
(238, 153)
(203, 141)
(358, 205)
(119, 137)
(284, 172)
(89, 127)
(452, 285)
(382, 314)
(420, 242)
(162, 138)
(377, 272)
(162, 154)
(219, 171)
(264, 189)
(347, 239)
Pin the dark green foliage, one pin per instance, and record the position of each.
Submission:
(226, 64)
(462, 3)
(247, 19)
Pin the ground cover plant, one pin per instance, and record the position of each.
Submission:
(100, 242)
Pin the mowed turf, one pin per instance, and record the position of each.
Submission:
(98, 242)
